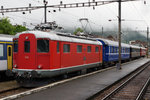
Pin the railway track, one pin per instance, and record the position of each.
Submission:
(133, 88)
(10, 88)
(146, 93)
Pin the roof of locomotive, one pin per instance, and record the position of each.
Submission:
(134, 46)
(143, 48)
(60, 37)
(113, 43)
(4, 37)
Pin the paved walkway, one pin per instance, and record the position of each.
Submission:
(83, 88)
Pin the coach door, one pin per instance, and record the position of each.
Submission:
(9, 56)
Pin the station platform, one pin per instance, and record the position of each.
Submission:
(85, 87)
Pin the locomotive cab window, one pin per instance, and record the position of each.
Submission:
(58, 47)
(42, 46)
(66, 48)
(96, 49)
(1, 50)
(15, 45)
(79, 48)
(89, 49)
(27, 46)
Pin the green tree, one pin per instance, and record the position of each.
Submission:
(7, 28)
(78, 30)
(19, 28)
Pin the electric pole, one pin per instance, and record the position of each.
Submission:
(119, 31)
(102, 31)
(45, 10)
(147, 41)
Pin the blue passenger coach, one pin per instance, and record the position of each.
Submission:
(110, 51)
(5, 53)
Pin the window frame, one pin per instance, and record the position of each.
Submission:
(48, 45)
(79, 50)
(15, 41)
(2, 51)
(25, 47)
(89, 48)
(97, 49)
(68, 49)
(58, 47)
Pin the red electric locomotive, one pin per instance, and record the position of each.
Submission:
(40, 55)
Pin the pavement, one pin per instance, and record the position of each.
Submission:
(84, 87)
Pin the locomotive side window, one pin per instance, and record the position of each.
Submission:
(42, 45)
(79, 48)
(66, 48)
(96, 49)
(1, 50)
(58, 47)
(15, 45)
(89, 49)
(26, 46)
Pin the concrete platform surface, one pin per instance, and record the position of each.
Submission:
(83, 88)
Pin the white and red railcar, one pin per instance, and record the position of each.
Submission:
(143, 52)
(41, 54)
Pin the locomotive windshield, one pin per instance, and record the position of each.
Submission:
(42, 45)
(27, 46)
(15, 45)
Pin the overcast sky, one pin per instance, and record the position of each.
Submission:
(136, 14)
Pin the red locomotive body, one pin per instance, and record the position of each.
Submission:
(41, 54)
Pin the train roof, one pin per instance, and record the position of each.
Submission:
(112, 43)
(143, 48)
(61, 37)
(4, 37)
(134, 46)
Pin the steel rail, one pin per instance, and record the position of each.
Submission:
(143, 90)
(125, 83)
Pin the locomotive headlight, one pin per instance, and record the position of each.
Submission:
(15, 66)
(39, 66)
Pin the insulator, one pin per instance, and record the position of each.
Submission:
(61, 2)
(23, 13)
(59, 9)
(54, 10)
(93, 7)
(144, 2)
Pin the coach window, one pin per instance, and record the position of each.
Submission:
(66, 48)
(15, 45)
(96, 49)
(89, 49)
(1, 50)
(58, 47)
(79, 48)
(42, 46)
(27, 46)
